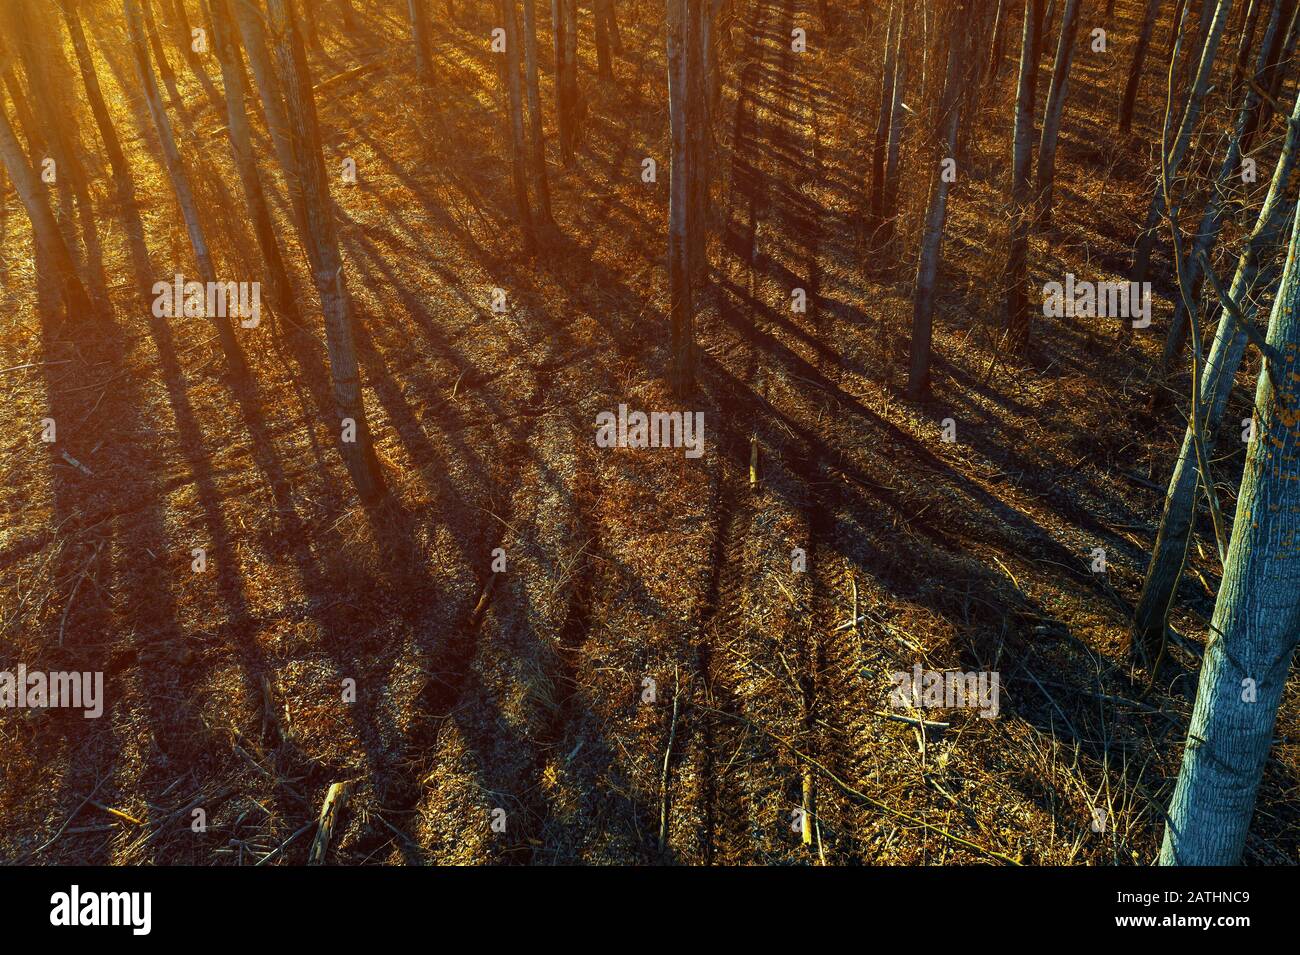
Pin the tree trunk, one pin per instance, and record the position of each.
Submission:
(180, 183)
(537, 138)
(241, 147)
(252, 35)
(308, 177)
(1256, 618)
(604, 58)
(1244, 45)
(882, 121)
(22, 110)
(90, 79)
(564, 23)
(1164, 571)
(927, 270)
(44, 227)
(1056, 94)
(310, 29)
(182, 31)
(1178, 149)
(419, 14)
(1212, 219)
(155, 43)
(506, 9)
(1021, 197)
(999, 40)
(1127, 104)
(890, 204)
(683, 19)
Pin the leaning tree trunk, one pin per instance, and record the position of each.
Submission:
(515, 120)
(44, 227)
(90, 79)
(159, 53)
(1056, 93)
(1135, 70)
(309, 178)
(927, 270)
(180, 184)
(1192, 112)
(537, 138)
(1244, 45)
(1022, 154)
(241, 147)
(1256, 617)
(683, 20)
(1212, 218)
(1164, 571)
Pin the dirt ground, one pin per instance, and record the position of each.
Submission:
(649, 681)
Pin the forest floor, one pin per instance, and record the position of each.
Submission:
(649, 680)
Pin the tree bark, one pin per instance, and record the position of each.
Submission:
(683, 20)
(309, 178)
(927, 270)
(1021, 196)
(1191, 113)
(604, 58)
(44, 226)
(515, 120)
(420, 32)
(537, 137)
(1256, 618)
(882, 121)
(90, 79)
(1164, 570)
(180, 183)
(1129, 101)
(241, 147)
(1056, 94)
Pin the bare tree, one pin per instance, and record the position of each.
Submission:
(241, 146)
(1178, 148)
(180, 183)
(1164, 571)
(886, 108)
(420, 32)
(604, 57)
(564, 22)
(1216, 208)
(44, 226)
(943, 162)
(1256, 620)
(896, 110)
(90, 79)
(309, 179)
(1135, 70)
(537, 138)
(1022, 157)
(507, 9)
(683, 110)
(1055, 108)
(160, 55)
